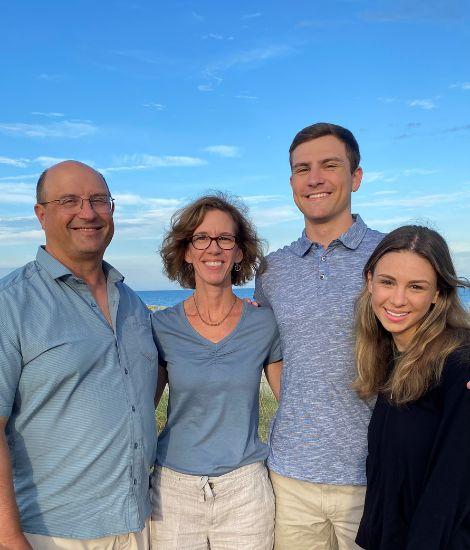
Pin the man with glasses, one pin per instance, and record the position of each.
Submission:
(77, 382)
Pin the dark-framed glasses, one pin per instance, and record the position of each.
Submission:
(74, 203)
(225, 242)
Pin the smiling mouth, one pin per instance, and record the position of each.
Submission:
(396, 316)
(318, 195)
(86, 229)
(213, 263)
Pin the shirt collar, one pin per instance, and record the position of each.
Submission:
(57, 270)
(350, 239)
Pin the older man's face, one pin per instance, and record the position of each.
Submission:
(78, 236)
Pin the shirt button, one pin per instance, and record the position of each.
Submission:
(133, 408)
(126, 371)
(93, 304)
(322, 276)
(136, 445)
(135, 481)
(323, 258)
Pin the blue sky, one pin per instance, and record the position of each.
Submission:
(173, 99)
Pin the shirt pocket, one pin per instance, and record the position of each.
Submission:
(139, 334)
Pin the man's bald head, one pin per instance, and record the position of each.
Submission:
(63, 166)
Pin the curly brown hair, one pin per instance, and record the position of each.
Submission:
(187, 219)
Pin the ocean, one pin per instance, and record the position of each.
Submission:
(168, 298)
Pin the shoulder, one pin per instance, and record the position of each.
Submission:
(281, 255)
(16, 279)
(372, 238)
(260, 315)
(457, 365)
(167, 317)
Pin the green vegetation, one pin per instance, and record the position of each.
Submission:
(267, 407)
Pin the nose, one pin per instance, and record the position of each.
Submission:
(315, 176)
(398, 296)
(86, 211)
(214, 247)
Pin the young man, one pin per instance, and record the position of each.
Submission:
(319, 436)
(78, 371)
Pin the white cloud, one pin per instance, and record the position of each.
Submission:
(257, 199)
(419, 172)
(461, 86)
(156, 106)
(370, 177)
(131, 199)
(46, 162)
(420, 201)
(272, 216)
(223, 150)
(385, 192)
(49, 115)
(63, 129)
(20, 163)
(140, 161)
(17, 193)
(251, 15)
(426, 104)
(246, 96)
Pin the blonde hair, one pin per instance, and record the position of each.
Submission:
(446, 326)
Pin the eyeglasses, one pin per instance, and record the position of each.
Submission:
(73, 203)
(202, 242)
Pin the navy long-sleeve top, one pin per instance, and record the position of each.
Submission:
(418, 468)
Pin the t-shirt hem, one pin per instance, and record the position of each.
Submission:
(317, 479)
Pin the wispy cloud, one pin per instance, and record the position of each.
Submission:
(50, 77)
(419, 172)
(46, 162)
(155, 106)
(139, 161)
(17, 193)
(64, 129)
(420, 201)
(246, 96)
(229, 151)
(48, 115)
(266, 217)
(20, 163)
(461, 85)
(254, 15)
(426, 104)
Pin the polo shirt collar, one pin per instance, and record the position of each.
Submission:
(350, 239)
(58, 270)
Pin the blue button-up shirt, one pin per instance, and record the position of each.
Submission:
(79, 397)
(320, 430)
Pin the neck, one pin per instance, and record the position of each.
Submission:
(89, 270)
(214, 298)
(326, 232)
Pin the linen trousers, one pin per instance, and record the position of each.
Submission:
(128, 541)
(233, 511)
(316, 516)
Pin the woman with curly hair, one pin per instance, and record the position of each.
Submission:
(211, 487)
(413, 350)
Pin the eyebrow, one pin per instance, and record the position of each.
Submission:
(322, 161)
(414, 282)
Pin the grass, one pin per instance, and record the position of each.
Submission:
(267, 408)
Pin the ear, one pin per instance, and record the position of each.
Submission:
(369, 282)
(187, 256)
(356, 179)
(436, 296)
(40, 212)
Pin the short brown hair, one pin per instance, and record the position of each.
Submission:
(182, 226)
(321, 129)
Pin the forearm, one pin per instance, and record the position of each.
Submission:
(11, 535)
(161, 383)
(273, 376)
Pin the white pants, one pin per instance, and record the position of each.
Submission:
(129, 541)
(229, 512)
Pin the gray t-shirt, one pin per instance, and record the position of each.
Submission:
(213, 408)
(320, 430)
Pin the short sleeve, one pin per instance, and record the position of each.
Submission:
(10, 367)
(275, 353)
(259, 295)
(155, 330)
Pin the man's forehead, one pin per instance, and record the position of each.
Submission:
(319, 149)
(68, 176)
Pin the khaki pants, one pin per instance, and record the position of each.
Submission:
(129, 541)
(234, 511)
(315, 516)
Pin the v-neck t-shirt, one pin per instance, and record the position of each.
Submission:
(213, 407)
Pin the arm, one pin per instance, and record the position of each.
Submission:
(444, 502)
(162, 381)
(273, 373)
(11, 535)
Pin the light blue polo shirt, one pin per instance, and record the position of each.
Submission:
(213, 408)
(79, 397)
(319, 433)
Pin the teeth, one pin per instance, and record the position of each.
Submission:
(213, 264)
(396, 314)
(317, 195)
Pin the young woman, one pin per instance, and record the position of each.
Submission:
(413, 351)
(211, 488)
